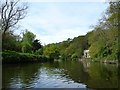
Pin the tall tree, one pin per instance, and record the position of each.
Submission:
(28, 38)
(10, 14)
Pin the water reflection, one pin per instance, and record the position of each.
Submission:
(17, 76)
(64, 74)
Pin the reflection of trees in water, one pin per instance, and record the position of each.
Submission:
(104, 76)
(119, 76)
(75, 70)
(22, 74)
(94, 75)
(69, 69)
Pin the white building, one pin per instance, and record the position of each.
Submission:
(86, 54)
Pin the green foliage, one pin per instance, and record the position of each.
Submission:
(104, 39)
(69, 49)
(51, 51)
(27, 40)
(74, 56)
(15, 57)
(39, 51)
(36, 45)
(73, 49)
(102, 42)
(11, 42)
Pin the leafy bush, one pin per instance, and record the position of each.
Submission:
(15, 57)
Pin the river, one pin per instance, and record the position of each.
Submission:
(60, 74)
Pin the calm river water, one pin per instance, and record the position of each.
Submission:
(62, 74)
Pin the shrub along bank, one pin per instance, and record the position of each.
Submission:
(15, 57)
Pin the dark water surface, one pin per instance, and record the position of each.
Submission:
(63, 74)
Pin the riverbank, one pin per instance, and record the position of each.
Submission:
(101, 61)
(16, 57)
(110, 61)
(107, 61)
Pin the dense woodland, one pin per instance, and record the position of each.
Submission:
(102, 41)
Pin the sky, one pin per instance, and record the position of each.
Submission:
(53, 21)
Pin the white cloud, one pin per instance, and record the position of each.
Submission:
(63, 34)
(55, 22)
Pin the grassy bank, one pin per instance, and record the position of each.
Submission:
(15, 57)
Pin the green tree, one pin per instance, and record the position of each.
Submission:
(104, 38)
(36, 45)
(27, 40)
(11, 42)
(51, 51)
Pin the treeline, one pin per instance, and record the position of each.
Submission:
(26, 44)
(16, 49)
(102, 41)
(69, 49)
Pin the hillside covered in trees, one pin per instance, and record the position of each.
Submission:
(102, 41)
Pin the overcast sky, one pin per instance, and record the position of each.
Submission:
(57, 21)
